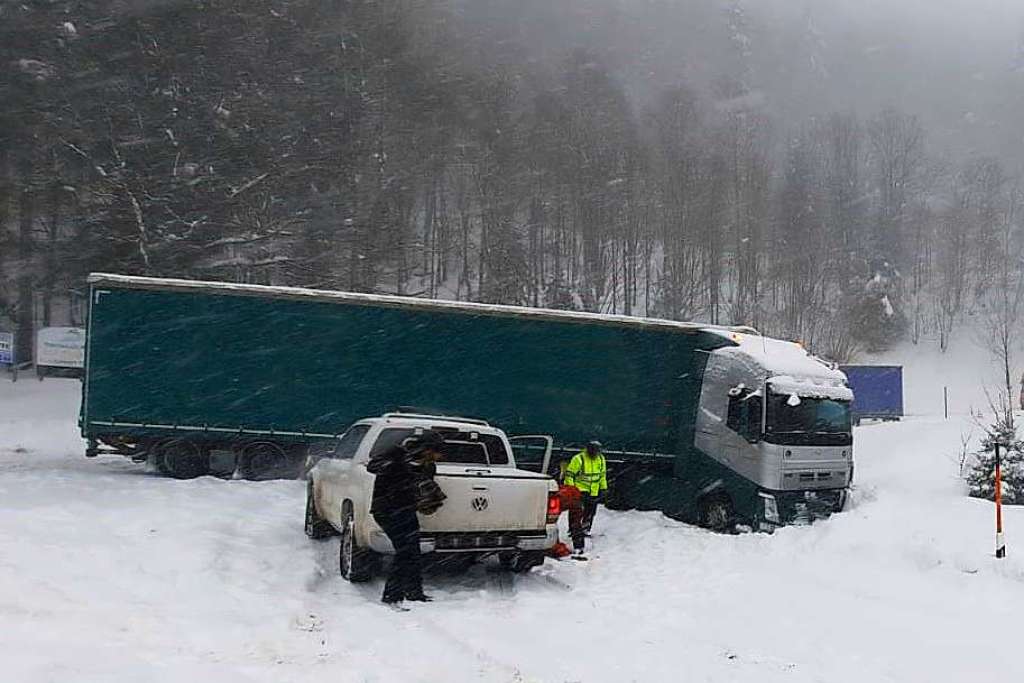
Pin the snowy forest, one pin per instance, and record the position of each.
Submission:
(646, 158)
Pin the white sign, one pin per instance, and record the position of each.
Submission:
(6, 348)
(60, 347)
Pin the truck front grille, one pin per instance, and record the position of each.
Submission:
(819, 479)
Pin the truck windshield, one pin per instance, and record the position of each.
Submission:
(807, 422)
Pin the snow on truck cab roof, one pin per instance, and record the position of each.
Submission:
(354, 298)
(787, 367)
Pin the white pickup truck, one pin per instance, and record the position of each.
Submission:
(492, 507)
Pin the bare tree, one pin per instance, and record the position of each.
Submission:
(1002, 306)
(897, 152)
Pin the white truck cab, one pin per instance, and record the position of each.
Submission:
(492, 507)
(775, 434)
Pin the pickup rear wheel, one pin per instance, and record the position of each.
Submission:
(316, 526)
(520, 563)
(452, 563)
(356, 564)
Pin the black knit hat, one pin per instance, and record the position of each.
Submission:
(429, 439)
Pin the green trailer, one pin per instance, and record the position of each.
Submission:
(185, 374)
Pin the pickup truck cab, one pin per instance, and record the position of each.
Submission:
(492, 507)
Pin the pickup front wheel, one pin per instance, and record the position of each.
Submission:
(316, 526)
(356, 564)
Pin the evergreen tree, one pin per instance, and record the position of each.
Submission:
(981, 477)
(875, 317)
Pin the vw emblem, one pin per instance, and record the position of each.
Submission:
(479, 503)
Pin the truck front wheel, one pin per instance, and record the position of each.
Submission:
(355, 563)
(716, 513)
(183, 459)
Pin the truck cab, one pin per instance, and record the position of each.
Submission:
(773, 435)
(492, 507)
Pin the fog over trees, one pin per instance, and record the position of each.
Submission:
(845, 173)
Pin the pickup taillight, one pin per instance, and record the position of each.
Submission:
(554, 507)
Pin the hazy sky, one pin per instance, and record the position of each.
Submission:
(959, 64)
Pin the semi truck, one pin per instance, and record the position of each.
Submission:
(718, 425)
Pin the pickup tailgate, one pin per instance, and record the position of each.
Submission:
(489, 499)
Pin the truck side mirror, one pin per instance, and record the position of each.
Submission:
(744, 416)
(752, 433)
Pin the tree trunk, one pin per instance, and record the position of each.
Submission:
(26, 219)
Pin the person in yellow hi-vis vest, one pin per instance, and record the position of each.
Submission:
(588, 472)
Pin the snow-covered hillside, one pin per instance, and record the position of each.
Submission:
(966, 370)
(109, 573)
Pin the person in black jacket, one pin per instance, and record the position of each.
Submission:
(394, 509)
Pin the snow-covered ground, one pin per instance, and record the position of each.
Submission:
(109, 573)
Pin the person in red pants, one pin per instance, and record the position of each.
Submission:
(588, 473)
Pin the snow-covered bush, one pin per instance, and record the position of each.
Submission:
(981, 477)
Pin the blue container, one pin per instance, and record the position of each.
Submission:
(877, 391)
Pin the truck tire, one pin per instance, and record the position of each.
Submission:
(355, 564)
(520, 563)
(263, 460)
(183, 459)
(316, 526)
(717, 514)
(619, 490)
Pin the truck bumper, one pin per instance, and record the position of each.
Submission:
(804, 507)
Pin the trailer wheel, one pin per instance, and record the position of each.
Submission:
(183, 459)
(264, 460)
(356, 564)
(717, 514)
(316, 526)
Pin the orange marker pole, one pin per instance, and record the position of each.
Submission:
(1000, 543)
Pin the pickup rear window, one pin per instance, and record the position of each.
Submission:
(460, 448)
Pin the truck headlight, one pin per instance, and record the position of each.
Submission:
(771, 508)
